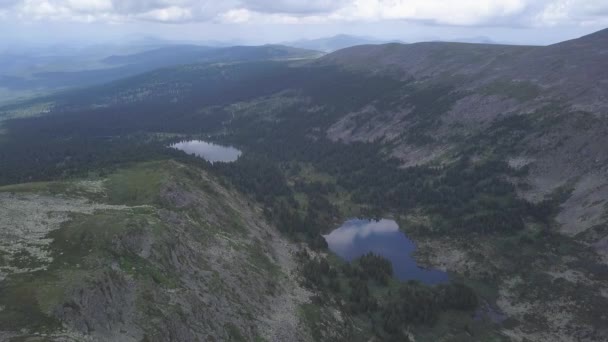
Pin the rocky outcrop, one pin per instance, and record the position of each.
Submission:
(202, 265)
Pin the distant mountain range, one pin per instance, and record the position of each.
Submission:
(38, 71)
(472, 40)
(343, 41)
(335, 43)
(23, 75)
(190, 54)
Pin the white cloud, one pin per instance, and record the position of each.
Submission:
(356, 229)
(167, 14)
(91, 6)
(295, 7)
(462, 12)
(42, 9)
(239, 15)
(573, 12)
(434, 12)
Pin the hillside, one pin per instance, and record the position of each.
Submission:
(156, 252)
(491, 157)
(556, 96)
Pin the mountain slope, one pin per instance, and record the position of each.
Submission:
(155, 252)
(558, 93)
(426, 59)
(574, 69)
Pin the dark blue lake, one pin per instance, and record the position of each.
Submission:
(209, 151)
(359, 237)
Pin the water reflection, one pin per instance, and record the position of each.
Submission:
(209, 151)
(358, 237)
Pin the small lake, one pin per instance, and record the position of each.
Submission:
(210, 152)
(356, 238)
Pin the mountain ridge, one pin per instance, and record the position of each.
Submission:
(334, 43)
(181, 258)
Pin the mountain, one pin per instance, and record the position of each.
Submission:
(428, 59)
(180, 257)
(473, 40)
(565, 81)
(177, 54)
(191, 54)
(334, 43)
(490, 157)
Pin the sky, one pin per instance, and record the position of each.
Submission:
(538, 22)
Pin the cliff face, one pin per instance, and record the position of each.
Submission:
(158, 252)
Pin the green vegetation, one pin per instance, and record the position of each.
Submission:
(21, 308)
(234, 334)
(138, 185)
(79, 249)
(521, 91)
(429, 103)
(24, 110)
(312, 316)
(262, 262)
(365, 289)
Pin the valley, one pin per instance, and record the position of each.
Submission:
(491, 159)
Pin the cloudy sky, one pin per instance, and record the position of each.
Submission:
(264, 21)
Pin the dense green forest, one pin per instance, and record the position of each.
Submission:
(365, 288)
